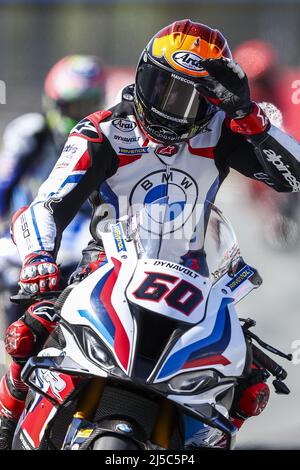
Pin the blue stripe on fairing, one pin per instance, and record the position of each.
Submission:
(97, 324)
(98, 306)
(109, 197)
(191, 426)
(36, 229)
(99, 316)
(178, 359)
(217, 347)
(72, 179)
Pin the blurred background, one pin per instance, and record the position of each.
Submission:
(34, 35)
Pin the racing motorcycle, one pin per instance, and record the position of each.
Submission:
(145, 342)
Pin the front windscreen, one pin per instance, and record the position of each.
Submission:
(217, 244)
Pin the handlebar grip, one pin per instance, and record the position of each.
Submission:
(265, 361)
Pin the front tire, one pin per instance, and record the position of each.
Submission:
(111, 442)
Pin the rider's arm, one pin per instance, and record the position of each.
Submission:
(249, 143)
(270, 155)
(86, 161)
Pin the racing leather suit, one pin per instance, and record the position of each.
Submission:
(108, 158)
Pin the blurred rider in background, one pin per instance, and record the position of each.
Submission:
(270, 82)
(74, 87)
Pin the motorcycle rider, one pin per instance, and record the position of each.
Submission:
(176, 133)
(74, 87)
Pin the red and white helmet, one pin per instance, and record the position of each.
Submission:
(74, 88)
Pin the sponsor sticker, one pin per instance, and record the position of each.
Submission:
(117, 232)
(124, 125)
(188, 60)
(84, 433)
(135, 151)
(167, 151)
(128, 140)
(239, 278)
(163, 133)
(276, 160)
(176, 267)
(70, 148)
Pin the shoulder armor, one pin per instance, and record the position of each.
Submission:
(88, 128)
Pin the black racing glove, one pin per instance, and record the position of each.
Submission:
(226, 87)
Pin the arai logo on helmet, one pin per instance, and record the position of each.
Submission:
(188, 60)
(124, 125)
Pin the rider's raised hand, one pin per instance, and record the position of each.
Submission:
(39, 273)
(226, 86)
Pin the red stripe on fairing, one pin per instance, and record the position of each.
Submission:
(117, 265)
(83, 163)
(206, 152)
(121, 340)
(35, 420)
(207, 361)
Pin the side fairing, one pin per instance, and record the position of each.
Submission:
(217, 342)
(99, 301)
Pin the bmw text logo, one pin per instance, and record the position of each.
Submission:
(170, 198)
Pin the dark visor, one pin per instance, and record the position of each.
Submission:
(167, 94)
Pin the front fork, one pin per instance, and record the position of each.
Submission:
(81, 427)
(163, 427)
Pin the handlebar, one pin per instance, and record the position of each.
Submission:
(265, 361)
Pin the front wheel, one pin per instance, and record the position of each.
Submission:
(111, 442)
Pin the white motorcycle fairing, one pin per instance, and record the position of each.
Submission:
(202, 359)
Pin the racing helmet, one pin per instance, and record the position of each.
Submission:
(74, 88)
(168, 105)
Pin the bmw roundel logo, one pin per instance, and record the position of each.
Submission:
(124, 427)
(169, 197)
